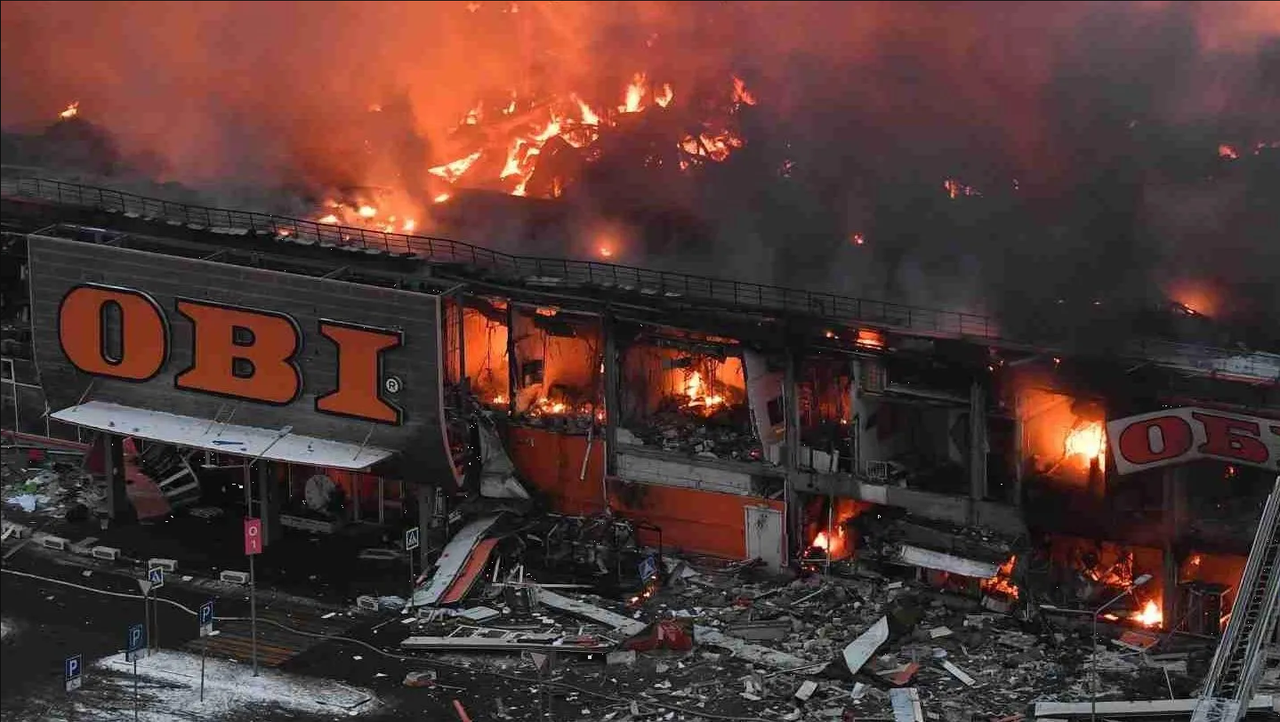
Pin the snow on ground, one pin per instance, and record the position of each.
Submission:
(169, 689)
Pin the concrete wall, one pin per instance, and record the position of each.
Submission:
(691, 474)
(941, 507)
(692, 519)
(57, 265)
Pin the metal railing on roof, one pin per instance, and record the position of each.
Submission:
(554, 272)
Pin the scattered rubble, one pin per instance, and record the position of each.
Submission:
(882, 636)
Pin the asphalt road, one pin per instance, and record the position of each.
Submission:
(49, 622)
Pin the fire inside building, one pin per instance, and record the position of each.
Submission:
(328, 380)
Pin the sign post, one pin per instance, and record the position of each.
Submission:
(136, 642)
(411, 542)
(206, 629)
(252, 548)
(155, 575)
(145, 586)
(71, 669)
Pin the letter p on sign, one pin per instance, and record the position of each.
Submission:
(252, 536)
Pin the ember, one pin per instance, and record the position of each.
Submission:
(72, 111)
(530, 123)
(1002, 582)
(1088, 440)
(1149, 616)
(696, 390)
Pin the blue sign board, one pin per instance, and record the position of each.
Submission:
(411, 539)
(206, 619)
(71, 669)
(155, 575)
(137, 642)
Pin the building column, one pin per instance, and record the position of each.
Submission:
(1173, 504)
(1019, 449)
(113, 475)
(463, 381)
(426, 514)
(791, 403)
(611, 402)
(268, 504)
(513, 368)
(977, 448)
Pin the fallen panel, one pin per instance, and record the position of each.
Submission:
(626, 625)
(497, 472)
(482, 639)
(958, 673)
(929, 559)
(906, 705)
(1144, 707)
(452, 560)
(478, 558)
(860, 650)
(750, 652)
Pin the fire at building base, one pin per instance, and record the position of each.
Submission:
(762, 510)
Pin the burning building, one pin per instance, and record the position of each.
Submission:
(571, 352)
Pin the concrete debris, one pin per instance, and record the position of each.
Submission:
(958, 673)
(906, 705)
(894, 634)
(627, 658)
(860, 650)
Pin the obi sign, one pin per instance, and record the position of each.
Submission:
(235, 352)
(1175, 436)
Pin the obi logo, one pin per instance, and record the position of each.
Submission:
(236, 352)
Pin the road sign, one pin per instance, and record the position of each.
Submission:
(137, 643)
(411, 541)
(72, 673)
(541, 661)
(155, 575)
(206, 619)
(145, 585)
(252, 536)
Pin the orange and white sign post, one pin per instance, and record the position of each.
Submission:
(252, 548)
(1175, 436)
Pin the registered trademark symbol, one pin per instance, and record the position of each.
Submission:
(392, 385)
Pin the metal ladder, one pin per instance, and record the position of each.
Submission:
(1238, 663)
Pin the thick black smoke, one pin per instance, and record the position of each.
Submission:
(1082, 140)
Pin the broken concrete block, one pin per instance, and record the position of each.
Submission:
(627, 657)
(106, 554)
(169, 565)
(426, 678)
(54, 542)
(806, 690)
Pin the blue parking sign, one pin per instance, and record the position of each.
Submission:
(206, 619)
(72, 672)
(137, 641)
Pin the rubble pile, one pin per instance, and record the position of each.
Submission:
(35, 483)
(860, 642)
(685, 433)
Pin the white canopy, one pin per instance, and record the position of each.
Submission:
(252, 441)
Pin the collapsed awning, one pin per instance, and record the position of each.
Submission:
(197, 433)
